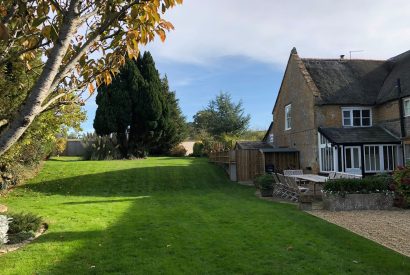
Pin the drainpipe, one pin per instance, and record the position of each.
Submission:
(402, 118)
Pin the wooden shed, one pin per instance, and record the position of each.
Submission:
(254, 157)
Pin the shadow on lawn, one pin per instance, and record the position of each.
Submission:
(139, 181)
(188, 225)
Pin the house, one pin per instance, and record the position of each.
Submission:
(344, 115)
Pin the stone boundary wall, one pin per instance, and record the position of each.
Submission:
(372, 201)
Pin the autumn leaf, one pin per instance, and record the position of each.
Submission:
(91, 88)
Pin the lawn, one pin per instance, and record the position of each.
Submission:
(176, 216)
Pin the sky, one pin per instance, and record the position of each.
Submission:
(242, 46)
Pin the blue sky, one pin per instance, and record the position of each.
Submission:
(253, 82)
(242, 46)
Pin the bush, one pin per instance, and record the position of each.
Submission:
(198, 150)
(178, 151)
(373, 184)
(22, 227)
(60, 146)
(264, 181)
(402, 185)
(101, 147)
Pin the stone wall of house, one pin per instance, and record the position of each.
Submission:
(388, 116)
(328, 116)
(295, 90)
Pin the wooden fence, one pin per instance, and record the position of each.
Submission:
(246, 165)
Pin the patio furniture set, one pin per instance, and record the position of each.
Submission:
(292, 183)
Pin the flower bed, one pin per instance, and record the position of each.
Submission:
(371, 193)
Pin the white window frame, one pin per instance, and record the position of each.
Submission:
(350, 110)
(327, 160)
(288, 117)
(382, 167)
(406, 101)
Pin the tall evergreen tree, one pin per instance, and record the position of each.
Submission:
(139, 100)
(172, 121)
(113, 114)
(147, 106)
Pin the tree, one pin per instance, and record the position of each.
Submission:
(113, 114)
(83, 44)
(148, 106)
(222, 117)
(41, 137)
(172, 121)
(140, 101)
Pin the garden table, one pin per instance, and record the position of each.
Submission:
(315, 179)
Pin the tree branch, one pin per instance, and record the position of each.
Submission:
(93, 38)
(17, 54)
(3, 122)
(57, 6)
(51, 101)
(10, 13)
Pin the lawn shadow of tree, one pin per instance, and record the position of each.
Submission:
(191, 219)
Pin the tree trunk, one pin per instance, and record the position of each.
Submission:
(41, 90)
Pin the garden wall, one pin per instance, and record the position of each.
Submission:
(372, 201)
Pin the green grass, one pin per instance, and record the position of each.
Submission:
(176, 216)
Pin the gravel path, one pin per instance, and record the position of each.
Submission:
(388, 228)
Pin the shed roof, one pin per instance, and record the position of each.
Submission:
(279, 150)
(359, 135)
(252, 145)
(263, 146)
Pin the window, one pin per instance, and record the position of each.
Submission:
(270, 138)
(288, 117)
(406, 107)
(357, 117)
(379, 158)
(371, 159)
(407, 153)
(326, 155)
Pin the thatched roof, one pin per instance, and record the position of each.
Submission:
(399, 68)
(347, 81)
(360, 82)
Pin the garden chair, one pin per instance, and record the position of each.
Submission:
(284, 186)
(332, 175)
(295, 189)
(292, 172)
(279, 188)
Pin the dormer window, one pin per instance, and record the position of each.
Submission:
(357, 117)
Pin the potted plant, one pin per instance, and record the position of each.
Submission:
(265, 185)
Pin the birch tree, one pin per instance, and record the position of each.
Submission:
(82, 43)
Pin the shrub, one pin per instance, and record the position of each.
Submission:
(373, 184)
(23, 226)
(178, 151)
(402, 185)
(264, 181)
(60, 146)
(198, 150)
(101, 147)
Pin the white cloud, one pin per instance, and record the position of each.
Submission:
(267, 30)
